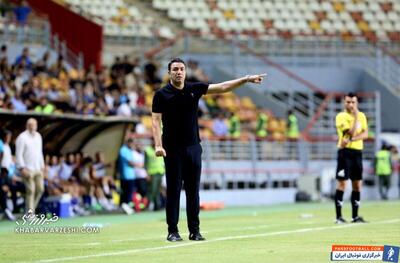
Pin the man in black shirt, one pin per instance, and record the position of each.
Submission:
(176, 105)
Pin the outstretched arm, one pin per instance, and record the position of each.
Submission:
(230, 85)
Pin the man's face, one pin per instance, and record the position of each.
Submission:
(8, 138)
(350, 103)
(32, 125)
(177, 72)
(131, 145)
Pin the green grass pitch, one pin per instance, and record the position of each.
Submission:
(278, 233)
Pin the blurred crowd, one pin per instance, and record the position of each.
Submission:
(125, 89)
(90, 184)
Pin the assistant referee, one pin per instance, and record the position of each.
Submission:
(352, 129)
(176, 105)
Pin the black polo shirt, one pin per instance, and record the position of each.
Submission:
(179, 113)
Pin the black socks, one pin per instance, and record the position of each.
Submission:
(338, 203)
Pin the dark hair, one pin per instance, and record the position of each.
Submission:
(4, 133)
(174, 60)
(351, 95)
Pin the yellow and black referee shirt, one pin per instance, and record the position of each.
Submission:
(344, 121)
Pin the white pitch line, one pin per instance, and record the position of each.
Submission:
(133, 251)
(186, 234)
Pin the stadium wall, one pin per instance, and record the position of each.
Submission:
(82, 35)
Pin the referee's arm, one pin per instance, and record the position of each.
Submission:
(230, 85)
(361, 136)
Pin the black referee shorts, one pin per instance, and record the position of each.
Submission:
(349, 164)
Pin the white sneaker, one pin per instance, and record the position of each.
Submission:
(9, 214)
(127, 209)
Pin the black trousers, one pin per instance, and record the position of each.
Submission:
(128, 187)
(183, 165)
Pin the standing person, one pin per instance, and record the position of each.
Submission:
(6, 154)
(292, 126)
(262, 123)
(126, 169)
(234, 126)
(352, 129)
(155, 169)
(383, 169)
(30, 162)
(176, 105)
(141, 177)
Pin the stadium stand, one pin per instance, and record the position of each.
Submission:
(368, 19)
(120, 19)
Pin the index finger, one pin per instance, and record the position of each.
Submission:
(263, 75)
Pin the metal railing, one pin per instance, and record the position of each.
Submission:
(34, 32)
(76, 60)
(38, 32)
(270, 150)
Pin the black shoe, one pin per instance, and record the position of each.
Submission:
(196, 237)
(358, 219)
(340, 220)
(174, 237)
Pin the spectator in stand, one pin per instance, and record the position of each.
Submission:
(30, 162)
(123, 109)
(195, 73)
(66, 168)
(219, 127)
(234, 126)
(116, 68)
(52, 177)
(18, 104)
(43, 64)
(59, 67)
(104, 180)
(4, 53)
(292, 126)
(5, 7)
(45, 106)
(24, 57)
(22, 12)
(150, 73)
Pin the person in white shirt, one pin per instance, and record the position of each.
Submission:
(7, 160)
(30, 162)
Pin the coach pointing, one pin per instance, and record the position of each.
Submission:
(175, 105)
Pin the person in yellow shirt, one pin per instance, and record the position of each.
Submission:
(352, 129)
